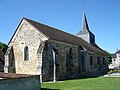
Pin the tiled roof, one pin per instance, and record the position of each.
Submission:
(62, 36)
(113, 56)
(118, 51)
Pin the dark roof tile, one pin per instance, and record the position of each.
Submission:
(118, 51)
(113, 56)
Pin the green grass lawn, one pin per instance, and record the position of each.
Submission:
(98, 83)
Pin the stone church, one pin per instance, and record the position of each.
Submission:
(53, 54)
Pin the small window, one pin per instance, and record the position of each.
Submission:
(82, 61)
(26, 53)
(0, 60)
(98, 60)
(70, 53)
(103, 60)
(91, 60)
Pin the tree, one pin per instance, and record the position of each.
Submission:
(3, 47)
(109, 57)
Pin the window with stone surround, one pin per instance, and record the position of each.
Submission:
(82, 63)
(70, 53)
(98, 60)
(0, 61)
(103, 60)
(26, 53)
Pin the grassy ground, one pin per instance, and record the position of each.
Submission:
(98, 83)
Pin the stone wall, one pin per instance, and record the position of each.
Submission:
(95, 68)
(66, 60)
(26, 35)
(19, 82)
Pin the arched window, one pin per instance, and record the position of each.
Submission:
(82, 60)
(91, 60)
(103, 60)
(26, 53)
(70, 53)
(1, 60)
(98, 60)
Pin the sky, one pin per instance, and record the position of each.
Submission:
(103, 18)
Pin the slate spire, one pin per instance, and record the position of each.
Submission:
(84, 23)
(85, 33)
(85, 27)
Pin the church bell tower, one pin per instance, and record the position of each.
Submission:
(85, 33)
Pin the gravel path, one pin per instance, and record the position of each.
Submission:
(112, 75)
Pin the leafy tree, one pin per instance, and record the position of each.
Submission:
(109, 57)
(3, 47)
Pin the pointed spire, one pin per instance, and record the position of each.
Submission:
(84, 23)
(85, 27)
(85, 33)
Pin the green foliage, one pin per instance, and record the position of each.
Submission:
(97, 83)
(110, 72)
(3, 47)
(109, 57)
(114, 71)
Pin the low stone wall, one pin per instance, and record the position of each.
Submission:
(12, 81)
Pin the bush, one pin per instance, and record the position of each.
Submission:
(110, 72)
(114, 71)
(3, 47)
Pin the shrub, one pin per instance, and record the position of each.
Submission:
(110, 72)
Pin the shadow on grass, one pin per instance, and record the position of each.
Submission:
(93, 76)
(85, 77)
(48, 89)
(82, 77)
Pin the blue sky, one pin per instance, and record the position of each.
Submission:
(103, 17)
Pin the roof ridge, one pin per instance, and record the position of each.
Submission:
(55, 28)
(59, 31)
(57, 34)
(50, 27)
